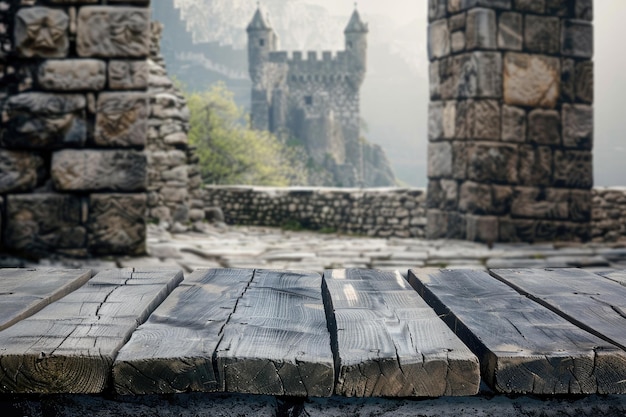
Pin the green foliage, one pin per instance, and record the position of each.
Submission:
(229, 151)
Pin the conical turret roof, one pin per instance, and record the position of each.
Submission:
(356, 25)
(259, 22)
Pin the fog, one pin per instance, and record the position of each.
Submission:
(610, 86)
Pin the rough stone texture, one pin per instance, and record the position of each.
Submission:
(113, 32)
(544, 127)
(60, 61)
(542, 34)
(608, 214)
(41, 32)
(116, 224)
(72, 75)
(19, 171)
(128, 75)
(44, 120)
(510, 34)
(531, 80)
(384, 212)
(577, 38)
(577, 126)
(438, 39)
(38, 224)
(122, 119)
(511, 122)
(94, 170)
(481, 29)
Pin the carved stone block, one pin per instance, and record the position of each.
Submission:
(459, 160)
(544, 127)
(439, 160)
(534, 6)
(471, 75)
(493, 163)
(584, 81)
(72, 74)
(434, 81)
(580, 205)
(475, 198)
(513, 124)
(568, 80)
(535, 165)
(436, 9)
(41, 32)
(437, 224)
(538, 203)
(483, 120)
(113, 32)
(573, 169)
(531, 80)
(577, 38)
(510, 34)
(38, 224)
(482, 229)
(481, 29)
(502, 198)
(116, 224)
(122, 119)
(435, 120)
(578, 126)
(44, 120)
(19, 171)
(128, 75)
(106, 170)
(438, 39)
(542, 34)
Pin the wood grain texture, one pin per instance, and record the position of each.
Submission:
(277, 341)
(615, 275)
(389, 342)
(69, 346)
(173, 351)
(591, 302)
(522, 346)
(23, 292)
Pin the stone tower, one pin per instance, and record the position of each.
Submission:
(313, 100)
(510, 120)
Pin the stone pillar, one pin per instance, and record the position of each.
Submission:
(74, 125)
(510, 120)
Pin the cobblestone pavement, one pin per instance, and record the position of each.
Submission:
(271, 248)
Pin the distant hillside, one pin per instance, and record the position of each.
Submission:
(205, 42)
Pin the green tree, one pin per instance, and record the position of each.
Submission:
(229, 151)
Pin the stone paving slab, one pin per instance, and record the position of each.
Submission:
(254, 247)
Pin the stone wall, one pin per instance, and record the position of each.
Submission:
(609, 214)
(510, 119)
(380, 212)
(174, 182)
(74, 125)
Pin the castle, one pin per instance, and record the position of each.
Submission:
(314, 100)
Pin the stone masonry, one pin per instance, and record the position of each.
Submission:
(510, 120)
(174, 181)
(73, 172)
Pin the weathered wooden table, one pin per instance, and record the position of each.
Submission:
(353, 333)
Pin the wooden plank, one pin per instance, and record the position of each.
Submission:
(522, 347)
(23, 292)
(614, 275)
(277, 341)
(173, 351)
(388, 342)
(69, 346)
(591, 302)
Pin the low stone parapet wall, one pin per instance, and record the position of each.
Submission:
(380, 212)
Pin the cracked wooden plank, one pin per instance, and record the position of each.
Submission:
(173, 351)
(591, 302)
(277, 341)
(522, 346)
(618, 276)
(23, 292)
(389, 342)
(69, 346)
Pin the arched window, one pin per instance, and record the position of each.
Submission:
(261, 42)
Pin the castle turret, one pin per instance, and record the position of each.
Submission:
(261, 41)
(356, 46)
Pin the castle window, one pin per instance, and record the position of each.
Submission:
(308, 100)
(350, 45)
(261, 42)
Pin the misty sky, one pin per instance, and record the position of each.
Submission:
(610, 73)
